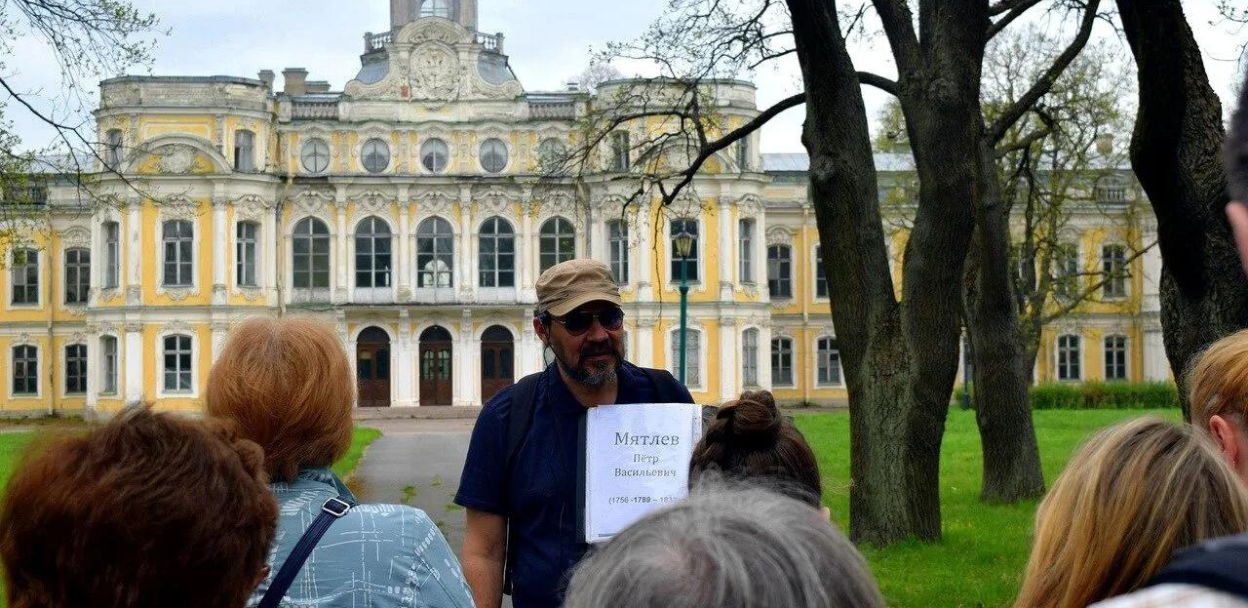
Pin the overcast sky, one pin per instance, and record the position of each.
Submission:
(548, 41)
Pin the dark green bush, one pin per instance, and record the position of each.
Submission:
(1095, 395)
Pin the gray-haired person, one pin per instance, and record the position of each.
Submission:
(728, 548)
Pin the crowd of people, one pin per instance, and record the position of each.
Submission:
(242, 508)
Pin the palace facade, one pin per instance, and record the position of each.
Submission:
(409, 210)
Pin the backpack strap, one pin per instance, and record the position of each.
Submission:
(666, 387)
(331, 511)
(1216, 564)
(519, 421)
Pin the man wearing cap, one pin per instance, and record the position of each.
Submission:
(520, 482)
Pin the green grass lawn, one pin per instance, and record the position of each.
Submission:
(981, 558)
(360, 438)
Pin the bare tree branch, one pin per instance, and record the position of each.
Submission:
(879, 82)
(1016, 10)
(899, 27)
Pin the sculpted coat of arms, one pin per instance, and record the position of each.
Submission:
(435, 73)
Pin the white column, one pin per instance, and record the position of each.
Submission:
(464, 279)
(133, 363)
(526, 244)
(645, 253)
(402, 378)
(764, 355)
(760, 271)
(271, 260)
(220, 330)
(729, 360)
(465, 363)
(219, 251)
(344, 260)
(97, 275)
(468, 222)
(726, 250)
(401, 260)
(644, 357)
(93, 373)
(1156, 365)
(134, 253)
(1152, 269)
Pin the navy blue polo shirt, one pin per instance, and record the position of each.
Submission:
(540, 500)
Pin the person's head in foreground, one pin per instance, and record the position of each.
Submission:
(1218, 393)
(1131, 496)
(742, 547)
(147, 511)
(579, 318)
(750, 440)
(286, 385)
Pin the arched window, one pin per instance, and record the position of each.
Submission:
(557, 242)
(435, 253)
(77, 275)
(245, 254)
(1069, 357)
(315, 156)
(178, 237)
(1115, 357)
(828, 362)
(372, 253)
(436, 8)
(25, 370)
(780, 271)
(685, 225)
(75, 369)
(497, 259)
(693, 350)
(782, 362)
(310, 254)
(177, 363)
(493, 155)
(617, 236)
(1114, 267)
(375, 155)
(25, 276)
(244, 150)
(434, 155)
(749, 357)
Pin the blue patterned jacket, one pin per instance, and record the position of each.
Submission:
(376, 556)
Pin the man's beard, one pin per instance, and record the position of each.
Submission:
(597, 374)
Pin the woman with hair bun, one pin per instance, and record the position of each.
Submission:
(749, 440)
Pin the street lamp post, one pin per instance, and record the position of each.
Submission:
(684, 242)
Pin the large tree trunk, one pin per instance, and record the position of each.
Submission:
(1000, 363)
(1175, 155)
(900, 360)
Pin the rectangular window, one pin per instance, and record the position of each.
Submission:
(782, 362)
(687, 226)
(25, 275)
(112, 254)
(75, 369)
(620, 149)
(829, 362)
(693, 367)
(1068, 358)
(77, 275)
(780, 271)
(178, 240)
(745, 251)
(1114, 267)
(108, 348)
(244, 151)
(749, 357)
(821, 281)
(618, 236)
(1116, 358)
(1066, 273)
(177, 366)
(245, 254)
(112, 149)
(743, 154)
(25, 370)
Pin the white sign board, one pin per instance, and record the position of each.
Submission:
(636, 460)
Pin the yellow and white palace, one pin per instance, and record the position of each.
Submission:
(406, 210)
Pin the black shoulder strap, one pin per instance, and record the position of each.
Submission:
(666, 386)
(1217, 564)
(333, 509)
(520, 420)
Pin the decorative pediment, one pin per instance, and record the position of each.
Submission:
(78, 236)
(178, 207)
(556, 202)
(750, 205)
(176, 327)
(372, 203)
(178, 155)
(496, 201)
(312, 201)
(251, 207)
(434, 30)
(434, 202)
(778, 235)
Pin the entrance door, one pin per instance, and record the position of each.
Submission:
(372, 367)
(435, 366)
(497, 361)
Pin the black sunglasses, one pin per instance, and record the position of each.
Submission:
(578, 322)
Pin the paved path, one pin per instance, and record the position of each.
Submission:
(417, 463)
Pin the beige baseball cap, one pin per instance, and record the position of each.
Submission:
(565, 286)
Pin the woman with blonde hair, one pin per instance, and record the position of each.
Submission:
(1130, 497)
(286, 385)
